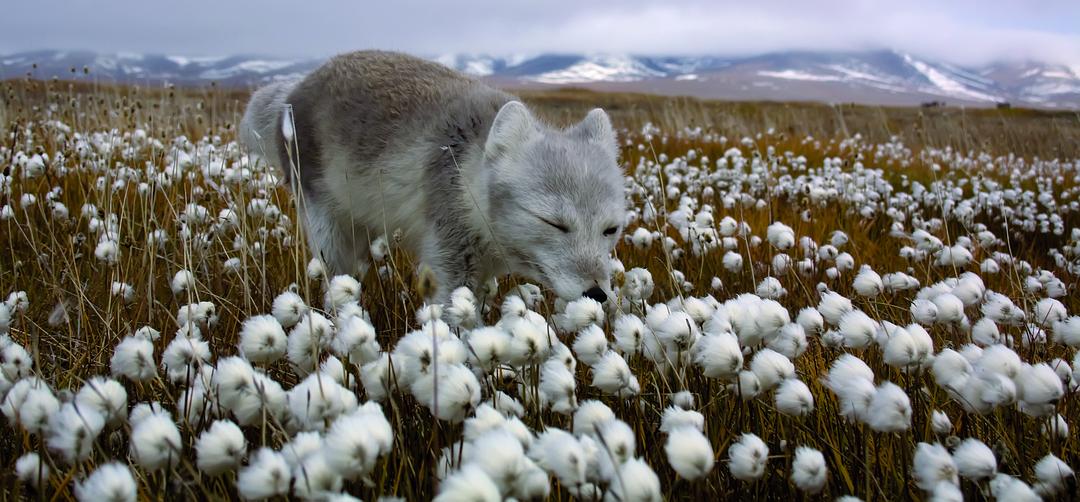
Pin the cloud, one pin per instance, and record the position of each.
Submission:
(963, 31)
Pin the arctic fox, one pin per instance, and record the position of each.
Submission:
(381, 143)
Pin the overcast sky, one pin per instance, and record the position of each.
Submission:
(964, 31)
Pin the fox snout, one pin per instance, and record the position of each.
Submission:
(596, 293)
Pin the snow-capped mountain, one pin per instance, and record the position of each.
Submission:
(875, 77)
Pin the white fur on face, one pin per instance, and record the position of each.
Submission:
(557, 199)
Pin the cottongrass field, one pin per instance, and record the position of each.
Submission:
(810, 317)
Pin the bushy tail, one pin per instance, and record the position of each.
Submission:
(260, 130)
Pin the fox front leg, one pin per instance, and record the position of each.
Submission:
(453, 264)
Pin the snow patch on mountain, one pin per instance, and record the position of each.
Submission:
(799, 75)
(947, 84)
(600, 69)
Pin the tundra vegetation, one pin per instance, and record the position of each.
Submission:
(811, 301)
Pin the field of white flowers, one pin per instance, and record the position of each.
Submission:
(821, 318)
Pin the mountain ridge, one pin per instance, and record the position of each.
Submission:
(882, 77)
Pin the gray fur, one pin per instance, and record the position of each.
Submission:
(386, 143)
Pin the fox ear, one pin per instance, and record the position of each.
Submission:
(513, 125)
(596, 129)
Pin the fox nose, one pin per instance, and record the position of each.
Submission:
(596, 294)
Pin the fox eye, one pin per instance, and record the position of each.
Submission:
(562, 228)
(611, 231)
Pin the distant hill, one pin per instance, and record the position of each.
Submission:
(875, 77)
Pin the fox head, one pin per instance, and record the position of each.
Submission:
(556, 199)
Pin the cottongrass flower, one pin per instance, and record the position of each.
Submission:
(462, 312)
(559, 453)
(955, 256)
(678, 332)
(1049, 311)
(105, 396)
(488, 347)
(147, 333)
(637, 482)
(771, 368)
(719, 355)
(794, 398)
(940, 422)
(266, 476)
(808, 470)
(341, 290)
(15, 361)
(985, 332)
(133, 358)
(1053, 475)
(182, 282)
(733, 262)
(853, 383)
(781, 236)
(307, 339)
(5, 318)
(974, 460)
(124, 291)
(300, 447)
(858, 329)
(590, 416)
(16, 395)
(183, 357)
(613, 377)
(629, 333)
(501, 457)
(1005, 487)
(924, 311)
(107, 251)
(453, 396)
(558, 387)
(950, 308)
(811, 320)
(1067, 331)
(318, 400)
(37, 408)
(789, 341)
(354, 339)
(590, 344)
(746, 385)
(932, 465)
(468, 483)
(770, 288)
(262, 339)
(582, 312)
(890, 409)
(316, 270)
(1038, 385)
(111, 482)
(1055, 427)
(619, 440)
(868, 283)
(72, 432)
(220, 448)
(675, 417)
(747, 457)
(946, 492)
(288, 308)
(31, 470)
(201, 314)
(315, 478)
(833, 306)
(689, 453)
(155, 442)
